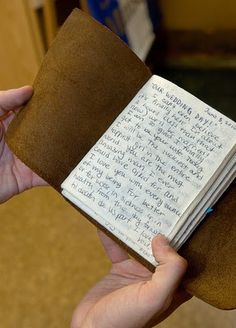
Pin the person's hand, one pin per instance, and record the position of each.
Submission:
(15, 177)
(130, 296)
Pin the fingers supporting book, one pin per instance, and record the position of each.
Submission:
(12, 99)
(167, 277)
(171, 266)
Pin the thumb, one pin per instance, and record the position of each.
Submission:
(156, 295)
(14, 98)
(170, 270)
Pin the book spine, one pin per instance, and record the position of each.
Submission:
(108, 13)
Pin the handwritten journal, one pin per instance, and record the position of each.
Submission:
(136, 154)
(163, 162)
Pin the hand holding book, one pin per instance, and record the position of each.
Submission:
(15, 177)
(114, 283)
(178, 150)
(130, 295)
(159, 166)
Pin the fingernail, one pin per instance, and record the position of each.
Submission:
(161, 240)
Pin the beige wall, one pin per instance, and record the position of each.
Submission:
(199, 14)
(20, 48)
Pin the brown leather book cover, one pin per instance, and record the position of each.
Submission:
(86, 79)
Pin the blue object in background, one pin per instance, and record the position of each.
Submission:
(107, 13)
(209, 210)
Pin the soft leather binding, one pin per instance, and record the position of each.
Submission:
(87, 77)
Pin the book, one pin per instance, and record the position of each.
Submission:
(139, 25)
(162, 163)
(108, 13)
(123, 18)
(77, 100)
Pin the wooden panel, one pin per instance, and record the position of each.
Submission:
(199, 15)
(21, 48)
(50, 20)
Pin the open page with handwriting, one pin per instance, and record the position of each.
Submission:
(165, 155)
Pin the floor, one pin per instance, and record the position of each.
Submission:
(50, 255)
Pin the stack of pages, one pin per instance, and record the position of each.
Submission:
(163, 162)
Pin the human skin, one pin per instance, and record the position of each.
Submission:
(15, 176)
(130, 295)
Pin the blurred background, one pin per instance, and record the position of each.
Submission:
(49, 254)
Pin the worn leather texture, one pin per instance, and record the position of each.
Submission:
(87, 77)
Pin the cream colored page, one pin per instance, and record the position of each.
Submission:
(152, 162)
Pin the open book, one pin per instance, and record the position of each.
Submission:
(163, 162)
(135, 153)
